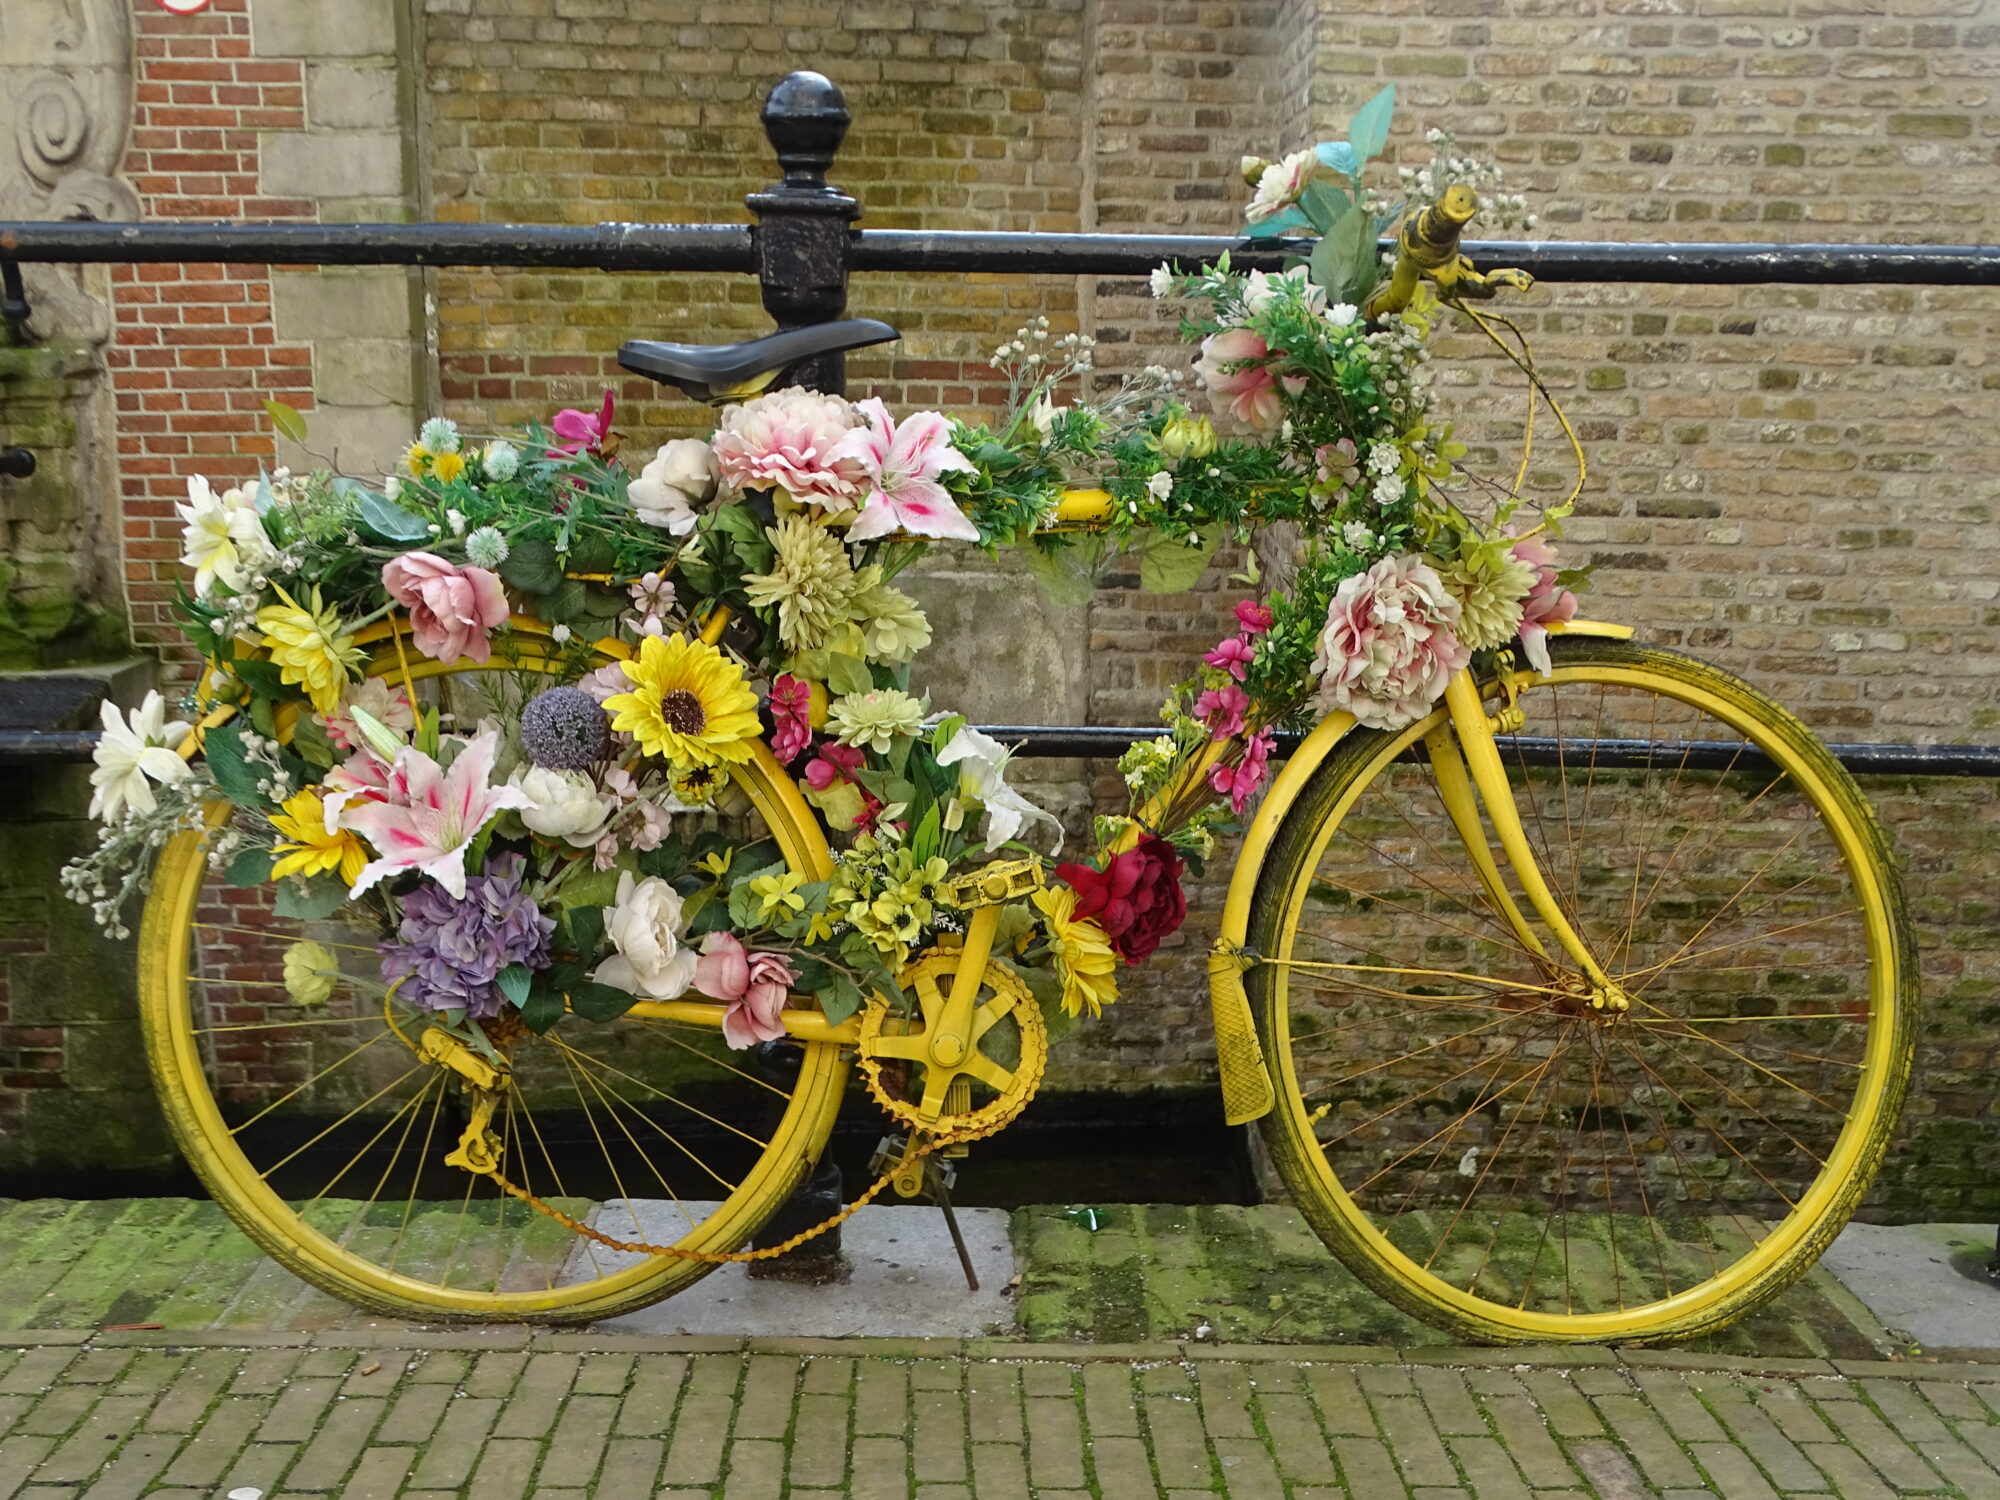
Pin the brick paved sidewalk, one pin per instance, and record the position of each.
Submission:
(504, 1414)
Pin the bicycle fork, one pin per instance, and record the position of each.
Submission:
(1471, 778)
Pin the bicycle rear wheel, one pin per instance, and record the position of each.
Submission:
(323, 1131)
(1476, 1142)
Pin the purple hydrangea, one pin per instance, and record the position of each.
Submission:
(452, 952)
(565, 730)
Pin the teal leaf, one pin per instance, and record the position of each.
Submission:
(1339, 157)
(514, 981)
(390, 521)
(309, 900)
(1286, 221)
(1369, 130)
(1324, 204)
(250, 867)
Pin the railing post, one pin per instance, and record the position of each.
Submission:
(802, 235)
(801, 242)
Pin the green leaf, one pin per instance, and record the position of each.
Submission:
(1347, 254)
(586, 929)
(250, 867)
(543, 1008)
(390, 521)
(945, 729)
(265, 677)
(514, 981)
(566, 602)
(1368, 132)
(531, 567)
(286, 419)
(1065, 570)
(264, 717)
(309, 739)
(588, 888)
(737, 523)
(593, 554)
(1170, 566)
(924, 842)
(1324, 204)
(309, 900)
(847, 674)
(599, 1002)
(222, 749)
(840, 998)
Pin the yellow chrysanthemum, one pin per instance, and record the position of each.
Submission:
(309, 647)
(311, 974)
(811, 582)
(416, 460)
(689, 703)
(1083, 953)
(308, 848)
(447, 466)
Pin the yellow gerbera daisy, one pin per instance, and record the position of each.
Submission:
(447, 466)
(308, 848)
(416, 460)
(689, 703)
(309, 648)
(1083, 953)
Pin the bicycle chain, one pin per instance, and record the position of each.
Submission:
(925, 1148)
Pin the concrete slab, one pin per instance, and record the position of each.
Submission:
(1925, 1281)
(906, 1280)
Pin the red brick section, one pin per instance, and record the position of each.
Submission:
(195, 352)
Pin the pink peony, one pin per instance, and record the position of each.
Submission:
(791, 702)
(1239, 383)
(755, 985)
(1232, 656)
(1240, 782)
(1255, 618)
(451, 608)
(1222, 710)
(787, 440)
(1389, 645)
(1547, 602)
(903, 461)
(579, 430)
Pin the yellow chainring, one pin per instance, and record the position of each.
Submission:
(902, 1077)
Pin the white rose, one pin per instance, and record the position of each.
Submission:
(651, 961)
(1160, 485)
(564, 804)
(681, 476)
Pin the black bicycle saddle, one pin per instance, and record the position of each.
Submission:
(732, 372)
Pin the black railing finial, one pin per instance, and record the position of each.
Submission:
(805, 119)
(802, 238)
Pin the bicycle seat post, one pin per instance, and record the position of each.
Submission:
(802, 222)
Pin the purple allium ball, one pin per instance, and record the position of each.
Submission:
(563, 729)
(452, 951)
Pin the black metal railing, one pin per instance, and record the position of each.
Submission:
(803, 248)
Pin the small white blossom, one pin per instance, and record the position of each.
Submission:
(1161, 281)
(1160, 485)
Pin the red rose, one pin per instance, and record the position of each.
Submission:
(1137, 898)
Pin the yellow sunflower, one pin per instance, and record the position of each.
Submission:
(309, 849)
(689, 703)
(309, 647)
(1083, 953)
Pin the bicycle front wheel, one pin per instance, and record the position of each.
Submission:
(1467, 1133)
(323, 1130)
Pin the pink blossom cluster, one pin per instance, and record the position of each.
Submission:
(1390, 643)
(1224, 709)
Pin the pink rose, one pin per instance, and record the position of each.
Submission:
(1390, 643)
(451, 608)
(1231, 366)
(755, 985)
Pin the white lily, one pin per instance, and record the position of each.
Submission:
(131, 755)
(982, 778)
(221, 536)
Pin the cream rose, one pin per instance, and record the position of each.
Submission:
(565, 804)
(681, 476)
(645, 928)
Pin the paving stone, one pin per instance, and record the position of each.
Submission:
(1342, 1408)
(1686, 1418)
(1180, 1447)
(1055, 1443)
(756, 1469)
(192, 1390)
(336, 1447)
(631, 1465)
(1890, 1456)
(1225, 1400)
(999, 1472)
(937, 1449)
(694, 1448)
(1296, 1440)
(1123, 1468)
(82, 1453)
(881, 1399)
(1568, 1413)
(415, 1414)
(1953, 1401)
(993, 1403)
(221, 1436)
(881, 1469)
(1609, 1471)
(821, 1459)
(132, 1472)
(1647, 1440)
(1849, 1471)
(1366, 1467)
(1487, 1468)
(538, 1397)
(1520, 1425)
(1755, 1432)
(648, 1407)
(764, 1408)
(378, 1476)
(1449, 1402)
(1247, 1469)
(1407, 1427)
(449, 1457)
(827, 1377)
(603, 1375)
(1108, 1403)
(1732, 1473)
(506, 1465)
(1790, 1412)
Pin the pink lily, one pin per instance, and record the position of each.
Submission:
(428, 816)
(902, 461)
(580, 430)
(755, 985)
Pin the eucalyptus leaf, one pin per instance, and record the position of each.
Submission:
(309, 900)
(1168, 565)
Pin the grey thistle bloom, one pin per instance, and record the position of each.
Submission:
(564, 730)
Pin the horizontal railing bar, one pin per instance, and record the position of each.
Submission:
(728, 247)
(1091, 741)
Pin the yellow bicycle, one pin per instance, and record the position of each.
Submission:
(1579, 1009)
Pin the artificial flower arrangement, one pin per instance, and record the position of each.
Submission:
(564, 841)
